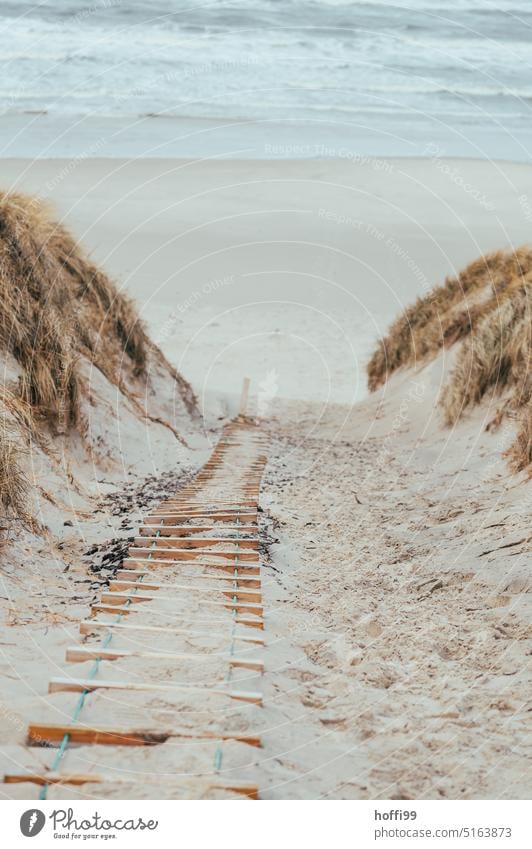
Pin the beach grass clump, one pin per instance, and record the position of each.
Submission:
(496, 356)
(448, 312)
(13, 481)
(488, 309)
(57, 311)
(520, 452)
(55, 306)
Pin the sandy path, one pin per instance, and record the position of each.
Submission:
(173, 654)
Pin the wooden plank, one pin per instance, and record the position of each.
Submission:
(184, 530)
(216, 503)
(126, 610)
(44, 734)
(138, 597)
(196, 542)
(203, 507)
(153, 563)
(171, 516)
(77, 779)
(91, 626)
(80, 654)
(235, 593)
(52, 778)
(184, 554)
(237, 580)
(80, 685)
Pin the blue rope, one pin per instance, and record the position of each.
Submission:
(218, 755)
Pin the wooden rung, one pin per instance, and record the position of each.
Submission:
(91, 626)
(154, 563)
(236, 593)
(44, 735)
(184, 554)
(138, 597)
(183, 530)
(171, 518)
(196, 542)
(245, 580)
(206, 510)
(126, 610)
(80, 685)
(237, 511)
(79, 654)
(52, 778)
(42, 779)
(211, 502)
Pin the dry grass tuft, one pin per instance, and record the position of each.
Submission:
(489, 307)
(13, 481)
(448, 313)
(520, 452)
(57, 307)
(495, 356)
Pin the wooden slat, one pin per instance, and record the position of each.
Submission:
(139, 597)
(40, 734)
(91, 626)
(80, 654)
(52, 778)
(153, 563)
(197, 542)
(184, 530)
(235, 593)
(77, 779)
(237, 503)
(244, 580)
(171, 517)
(183, 554)
(80, 685)
(126, 610)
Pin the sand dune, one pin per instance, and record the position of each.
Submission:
(397, 593)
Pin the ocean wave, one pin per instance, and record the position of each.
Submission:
(253, 55)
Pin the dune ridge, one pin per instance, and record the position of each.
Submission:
(60, 311)
(487, 308)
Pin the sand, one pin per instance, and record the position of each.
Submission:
(398, 621)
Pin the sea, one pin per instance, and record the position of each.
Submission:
(303, 78)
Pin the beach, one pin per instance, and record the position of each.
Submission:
(331, 250)
(398, 607)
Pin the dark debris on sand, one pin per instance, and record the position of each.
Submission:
(134, 500)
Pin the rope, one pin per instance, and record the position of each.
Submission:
(218, 754)
(81, 701)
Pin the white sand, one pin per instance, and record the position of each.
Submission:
(380, 681)
(289, 270)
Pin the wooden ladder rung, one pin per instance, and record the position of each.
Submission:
(77, 779)
(126, 610)
(236, 593)
(80, 654)
(40, 734)
(155, 563)
(91, 626)
(195, 542)
(192, 554)
(139, 597)
(80, 685)
(246, 580)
